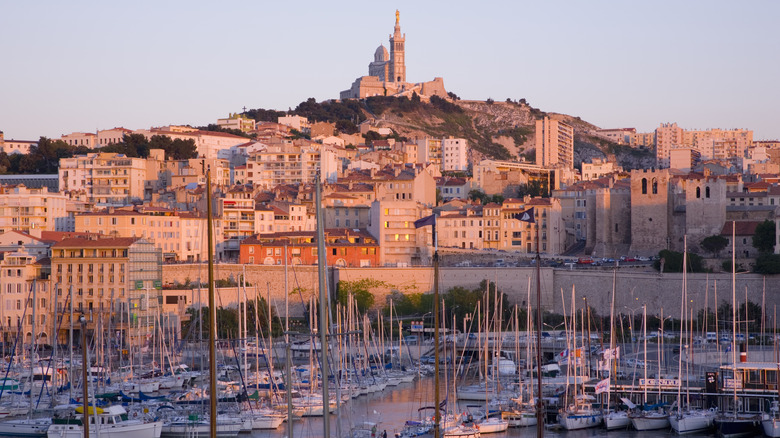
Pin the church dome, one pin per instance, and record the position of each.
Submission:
(381, 54)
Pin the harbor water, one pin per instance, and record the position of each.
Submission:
(390, 408)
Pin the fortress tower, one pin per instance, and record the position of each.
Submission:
(397, 52)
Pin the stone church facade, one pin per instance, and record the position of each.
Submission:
(387, 74)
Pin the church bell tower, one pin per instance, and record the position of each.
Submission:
(397, 53)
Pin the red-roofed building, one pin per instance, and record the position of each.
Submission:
(744, 231)
(344, 247)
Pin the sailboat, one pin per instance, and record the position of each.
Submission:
(29, 427)
(733, 424)
(581, 414)
(523, 413)
(647, 419)
(688, 420)
(613, 420)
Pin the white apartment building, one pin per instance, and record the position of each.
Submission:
(429, 150)
(300, 124)
(667, 136)
(454, 154)
(12, 146)
(392, 224)
(238, 122)
(32, 210)
(284, 163)
(87, 139)
(207, 143)
(554, 143)
(597, 168)
(107, 179)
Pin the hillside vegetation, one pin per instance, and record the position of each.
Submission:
(499, 130)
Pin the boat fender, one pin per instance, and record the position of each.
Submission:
(135, 414)
(476, 426)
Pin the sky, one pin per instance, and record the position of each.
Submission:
(81, 66)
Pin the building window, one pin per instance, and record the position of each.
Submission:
(698, 192)
(707, 192)
(644, 186)
(655, 186)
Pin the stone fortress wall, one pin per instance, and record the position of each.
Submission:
(634, 288)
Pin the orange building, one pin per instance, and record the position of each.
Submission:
(344, 246)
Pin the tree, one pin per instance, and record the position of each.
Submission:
(177, 149)
(714, 244)
(764, 237)
(673, 261)
(360, 292)
(477, 195)
(534, 188)
(767, 264)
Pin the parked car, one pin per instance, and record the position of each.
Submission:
(584, 261)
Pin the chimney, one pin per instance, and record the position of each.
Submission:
(397, 171)
(372, 172)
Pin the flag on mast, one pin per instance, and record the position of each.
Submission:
(525, 216)
(424, 222)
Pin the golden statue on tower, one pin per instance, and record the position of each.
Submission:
(397, 16)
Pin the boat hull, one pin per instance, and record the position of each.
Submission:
(691, 422)
(617, 421)
(771, 427)
(200, 429)
(739, 427)
(650, 422)
(138, 430)
(24, 428)
(578, 421)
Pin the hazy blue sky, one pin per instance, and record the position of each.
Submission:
(80, 66)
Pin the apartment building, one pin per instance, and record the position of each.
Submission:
(20, 272)
(454, 155)
(237, 209)
(401, 244)
(283, 163)
(32, 209)
(117, 279)
(597, 168)
(667, 136)
(238, 122)
(460, 230)
(491, 216)
(520, 236)
(554, 143)
(429, 150)
(107, 179)
(344, 248)
(180, 236)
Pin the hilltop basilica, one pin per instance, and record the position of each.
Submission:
(387, 74)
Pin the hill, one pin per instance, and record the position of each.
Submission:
(499, 130)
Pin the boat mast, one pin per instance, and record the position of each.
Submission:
(212, 314)
(437, 411)
(287, 364)
(734, 313)
(539, 405)
(323, 327)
